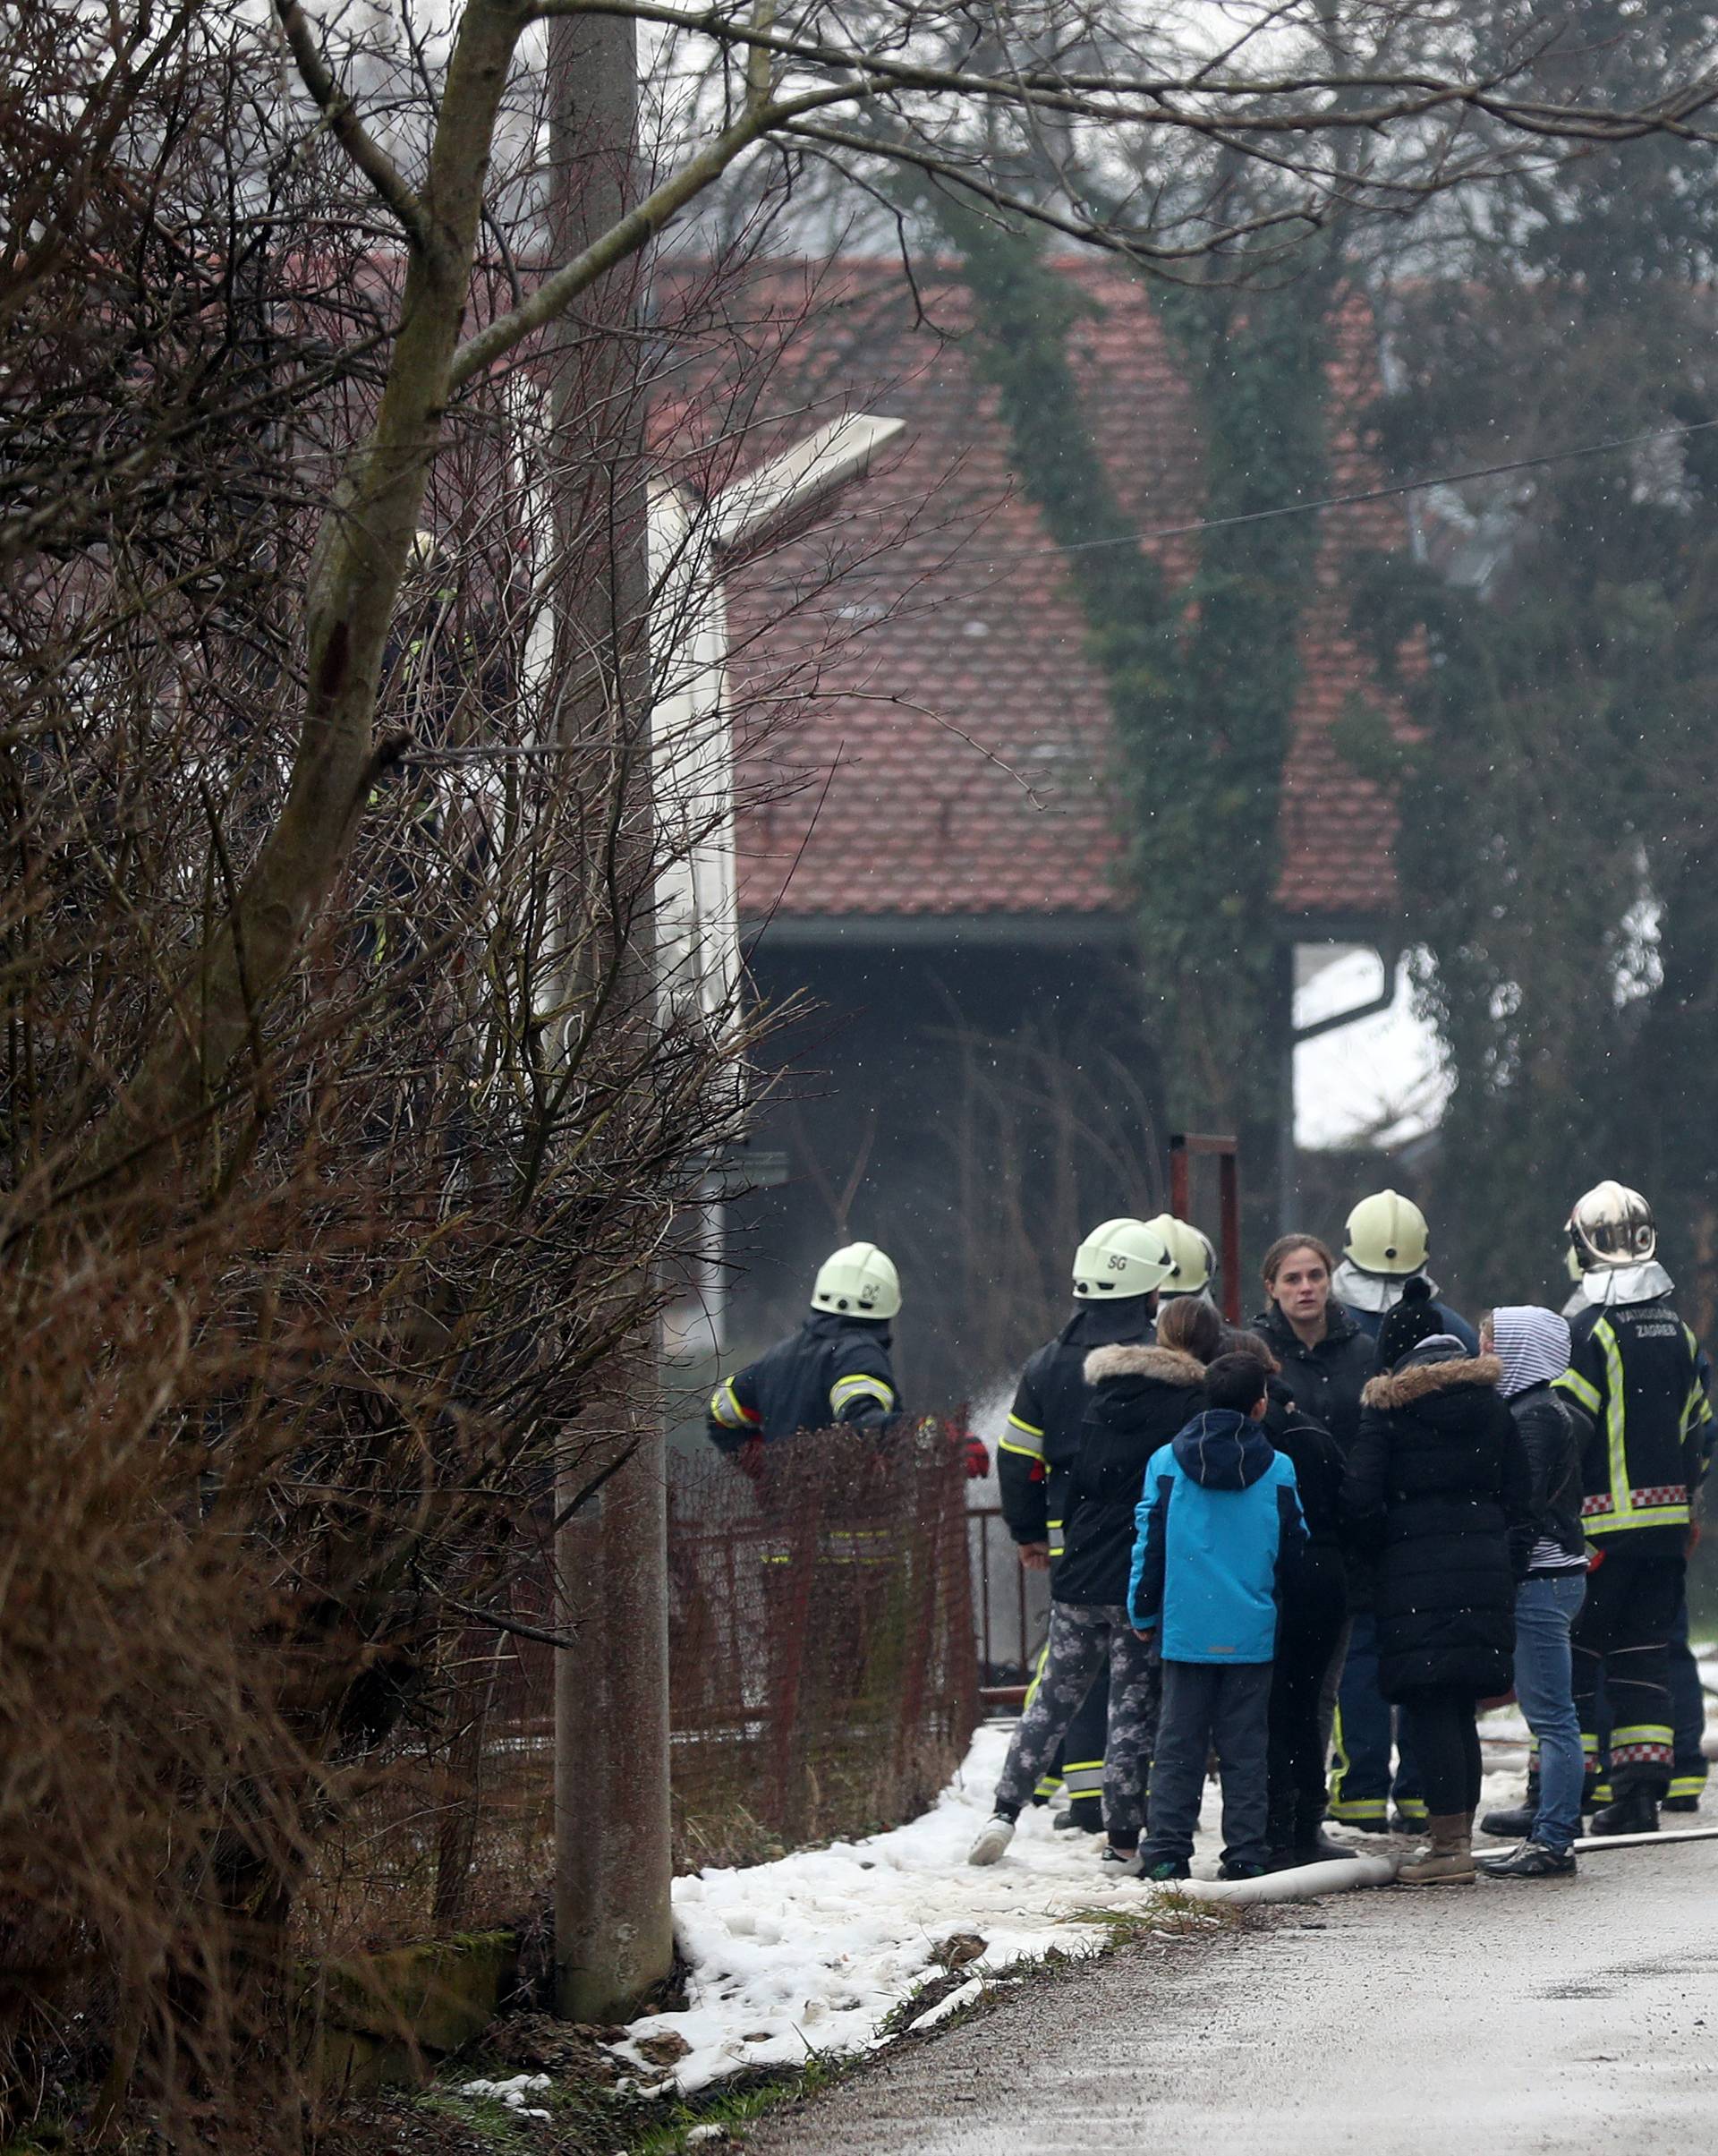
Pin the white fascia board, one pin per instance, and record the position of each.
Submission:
(799, 476)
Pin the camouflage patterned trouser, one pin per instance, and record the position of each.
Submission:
(1083, 1635)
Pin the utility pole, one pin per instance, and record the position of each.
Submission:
(612, 1923)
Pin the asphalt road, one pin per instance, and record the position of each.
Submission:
(1579, 2017)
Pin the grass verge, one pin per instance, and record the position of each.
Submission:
(595, 2112)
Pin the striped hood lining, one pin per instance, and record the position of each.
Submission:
(1533, 1345)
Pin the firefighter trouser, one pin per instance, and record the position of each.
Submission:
(1075, 1767)
(1688, 1711)
(1083, 1637)
(1361, 1784)
(1622, 1637)
(1083, 1753)
(1688, 1765)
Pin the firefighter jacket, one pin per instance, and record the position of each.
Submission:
(1638, 1370)
(835, 1369)
(1035, 1458)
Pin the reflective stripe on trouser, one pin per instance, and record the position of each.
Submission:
(1622, 1638)
(1361, 1784)
(1083, 1636)
(1689, 1768)
(1083, 1753)
(1048, 1783)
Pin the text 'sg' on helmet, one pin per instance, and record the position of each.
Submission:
(1121, 1259)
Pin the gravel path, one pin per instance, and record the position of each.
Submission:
(1577, 2017)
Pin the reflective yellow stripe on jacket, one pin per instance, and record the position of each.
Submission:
(1021, 1438)
(1623, 1506)
(725, 1409)
(845, 1390)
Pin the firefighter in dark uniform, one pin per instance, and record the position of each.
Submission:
(836, 1369)
(1638, 1371)
(1036, 1453)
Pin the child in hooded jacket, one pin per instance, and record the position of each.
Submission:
(1219, 1528)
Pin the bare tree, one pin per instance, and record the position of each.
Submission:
(344, 1124)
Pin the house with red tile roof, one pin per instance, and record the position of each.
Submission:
(928, 848)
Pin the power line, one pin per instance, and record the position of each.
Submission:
(1347, 501)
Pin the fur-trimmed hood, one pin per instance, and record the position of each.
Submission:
(1417, 1381)
(1142, 1358)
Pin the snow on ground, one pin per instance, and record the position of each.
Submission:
(810, 1953)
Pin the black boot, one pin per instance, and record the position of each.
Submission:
(1312, 1846)
(1635, 1811)
(1280, 1833)
(1515, 1823)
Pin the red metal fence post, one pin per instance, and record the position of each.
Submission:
(1226, 1151)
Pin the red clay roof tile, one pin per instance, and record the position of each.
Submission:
(952, 747)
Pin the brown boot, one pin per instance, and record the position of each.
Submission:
(1447, 1860)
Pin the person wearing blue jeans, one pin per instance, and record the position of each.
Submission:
(1533, 1345)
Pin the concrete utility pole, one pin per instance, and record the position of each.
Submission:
(612, 1926)
(612, 1923)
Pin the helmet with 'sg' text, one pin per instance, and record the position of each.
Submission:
(1121, 1259)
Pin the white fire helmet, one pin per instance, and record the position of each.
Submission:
(1610, 1226)
(858, 1280)
(1193, 1261)
(1122, 1258)
(1387, 1233)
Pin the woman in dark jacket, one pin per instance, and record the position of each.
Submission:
(1325, 1358)
(1437, 1481)
(1326, 1361)
(1315, 1613)
(1144, 1393)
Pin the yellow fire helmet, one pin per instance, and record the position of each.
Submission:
(1387, 1233)
(1123, 1257)
(1192, 1259)
(858, 1280)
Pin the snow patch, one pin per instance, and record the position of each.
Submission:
(512, 2092)
(811, 1953)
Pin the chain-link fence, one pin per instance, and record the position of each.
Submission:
(823, 1681)
(821, 1655)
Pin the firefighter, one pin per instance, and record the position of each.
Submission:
(1387, 1245)
(1638, 1371)
(1119, 1263)
(835, 1369)
(1195, 1262)
(1036, 1453)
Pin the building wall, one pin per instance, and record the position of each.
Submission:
(973, 1105)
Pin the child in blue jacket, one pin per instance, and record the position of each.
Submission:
(1217, 1528)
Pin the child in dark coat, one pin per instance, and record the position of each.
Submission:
(1218, 1525)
